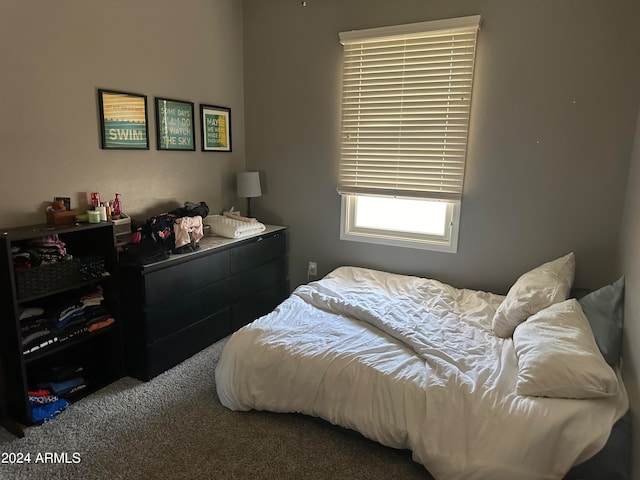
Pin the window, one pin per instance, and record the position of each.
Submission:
(403, 222)
(406, 97)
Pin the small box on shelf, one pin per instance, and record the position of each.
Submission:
(61, 217)
(122, 227)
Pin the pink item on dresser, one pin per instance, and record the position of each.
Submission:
(185, 225)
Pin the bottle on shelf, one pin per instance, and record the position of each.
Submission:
(95, 200)
(116, 206)
(102, 210)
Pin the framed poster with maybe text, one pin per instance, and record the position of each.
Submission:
(123, 120)
(174, 125)
(216, 128)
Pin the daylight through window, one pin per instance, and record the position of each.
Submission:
(406, 98)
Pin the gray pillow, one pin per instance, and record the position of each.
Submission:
(604, 309)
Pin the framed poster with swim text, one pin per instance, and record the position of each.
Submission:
(123, 120)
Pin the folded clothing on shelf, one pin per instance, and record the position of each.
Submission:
(64, 387)
(78, 313)
(61, 380)
(42, 412)
(45, 405)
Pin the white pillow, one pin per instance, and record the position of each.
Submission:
(558, 355)
(537, 289)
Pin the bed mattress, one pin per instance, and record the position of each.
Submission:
(411, 363)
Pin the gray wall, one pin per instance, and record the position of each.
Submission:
(54, 57)
(552, 132)
(553, 114)
(553, 118)
(630, 266)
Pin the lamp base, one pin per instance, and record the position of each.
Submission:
(249, 207)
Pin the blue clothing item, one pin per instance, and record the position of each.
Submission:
(42, 413)
(60, 388)
(68, 314)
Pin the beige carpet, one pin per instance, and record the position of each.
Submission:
(174, 427)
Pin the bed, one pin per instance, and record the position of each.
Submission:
(477, 385)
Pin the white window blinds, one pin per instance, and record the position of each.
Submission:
(406, 96)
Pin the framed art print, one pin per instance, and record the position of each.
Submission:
(123, 120)
(216, 128)
(174, 124)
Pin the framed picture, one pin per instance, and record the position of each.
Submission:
(123, 120)
(65, 200)
(174, 125)
(216, 128)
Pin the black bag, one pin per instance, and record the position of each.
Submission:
(146, 251)
(191, 209)
(159, 228)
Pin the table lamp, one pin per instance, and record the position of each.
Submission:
(248, 186)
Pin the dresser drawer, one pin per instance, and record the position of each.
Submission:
(169, 352)
(176, 307)
(184, 278)
(245, 284)
(259, 304)
(256, 253)
(167, 318)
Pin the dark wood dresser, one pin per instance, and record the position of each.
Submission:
(174, 308)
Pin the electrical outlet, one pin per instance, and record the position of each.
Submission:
(312, 269)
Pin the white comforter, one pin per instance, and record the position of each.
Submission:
(412, 364)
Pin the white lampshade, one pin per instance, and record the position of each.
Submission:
(248, 185)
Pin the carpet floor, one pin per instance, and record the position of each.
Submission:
(174, 427)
